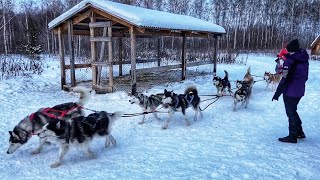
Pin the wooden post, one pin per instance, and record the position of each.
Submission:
(71, 50)
(93, 51)
(110, 59)
(133, 74)
(215, 55)
(159, 52)
(62, 60)
(120, 55)
(102, 52)
(183, 58)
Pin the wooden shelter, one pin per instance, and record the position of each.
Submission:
(102, 20)
(315, 46)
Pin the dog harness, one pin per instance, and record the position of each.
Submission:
(57, 112)
(185, 97)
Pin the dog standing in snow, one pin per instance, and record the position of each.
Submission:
(180, 102)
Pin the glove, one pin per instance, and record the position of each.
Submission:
(275, 96)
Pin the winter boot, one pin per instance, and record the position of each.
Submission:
(289, 139)
(300, 133)
(293, 131)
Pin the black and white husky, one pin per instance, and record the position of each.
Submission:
(79, 132)
(222, 84)
(34, 122)
(242, 94)
(147, 103)
(180, 102)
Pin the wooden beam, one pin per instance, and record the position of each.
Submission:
(110, 55)
(158, 69)
(78, 66)
(62, 60)
(81, 32)
(141, 30)
(71, 50)
(102, 52)
(215, 55)
(77, 19)
(100, 24)
(120, 55)
(183, 59)
(100, 39)
(133, 72)
(112, 18)
(93, 51)
(159, 51)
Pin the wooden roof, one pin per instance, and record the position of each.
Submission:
(147, 21)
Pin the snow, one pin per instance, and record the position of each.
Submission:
(222, 145)
(142, 17)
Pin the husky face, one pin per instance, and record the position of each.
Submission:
(239, 84)
(216, 80)
(138, 99)
(16, 141)
(168, 97)
(266, 76)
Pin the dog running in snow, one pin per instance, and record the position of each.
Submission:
(80, 131)
(147, 103)
(242, 94)
(248, 78)
(180, 102)
(273, 79)
(31, 124)
(222, 84)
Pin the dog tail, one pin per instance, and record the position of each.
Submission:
(191, 89)
(226, 74)
(248, 70)
(115, 116)
(84, 94)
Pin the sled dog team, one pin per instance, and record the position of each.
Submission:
(67, 125)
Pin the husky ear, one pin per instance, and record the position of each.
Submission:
(58, 125)
(10, 132)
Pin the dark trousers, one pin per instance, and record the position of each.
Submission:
(291, 104)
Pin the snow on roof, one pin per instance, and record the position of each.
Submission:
(142, 17)
(315, 41)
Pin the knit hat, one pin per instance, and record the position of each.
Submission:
(293, 46)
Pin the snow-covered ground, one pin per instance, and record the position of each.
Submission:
(222, 145)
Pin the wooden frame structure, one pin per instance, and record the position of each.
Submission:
(315, 46)
(89, 21)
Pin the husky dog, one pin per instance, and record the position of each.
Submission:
(242, 94)
(180, 102)
(222, 84)
(147, 103)
(31, 124)
(80, 131)
(272, 79)
(248, 78)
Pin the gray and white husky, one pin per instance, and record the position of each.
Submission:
(242, 94)
(34, 122)
(222, 84)
(148, 104)
(80, 131)
(180, 102)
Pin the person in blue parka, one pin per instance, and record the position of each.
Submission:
(292, 86)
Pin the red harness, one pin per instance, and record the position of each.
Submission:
(51, 113)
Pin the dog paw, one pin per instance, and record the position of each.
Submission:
(140, 123)
(91, 155)
(55, 164)
(37, 151)
(164, 127)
